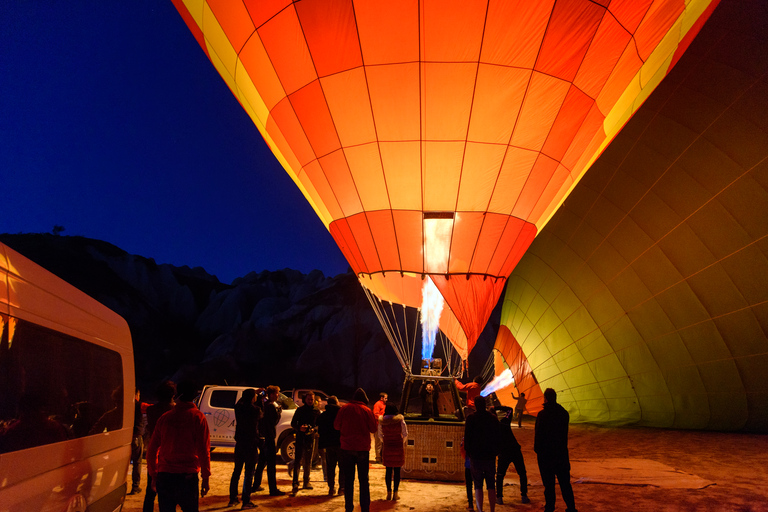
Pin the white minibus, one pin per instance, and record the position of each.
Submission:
(66, 394)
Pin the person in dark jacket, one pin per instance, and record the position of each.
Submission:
(482, 434)
(392, 432)
(550, 442)
(330, 444)
(165, 392)
(267, 429)
(137, 444)
(304, 424)
(429, 392)
(510, 453)
(247, 416)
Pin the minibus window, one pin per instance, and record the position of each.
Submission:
(223, 398)
(55, 387)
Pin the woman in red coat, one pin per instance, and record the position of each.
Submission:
(392, 432)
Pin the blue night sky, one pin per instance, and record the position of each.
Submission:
(116, 126)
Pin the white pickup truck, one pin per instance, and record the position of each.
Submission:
(217, 403)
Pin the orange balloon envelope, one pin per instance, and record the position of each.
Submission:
(437, 137)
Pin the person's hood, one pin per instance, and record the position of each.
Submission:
(360, 396)
(386, 420)
(332, 407)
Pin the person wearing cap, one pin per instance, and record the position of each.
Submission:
(356, 422)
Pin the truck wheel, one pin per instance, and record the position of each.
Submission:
(288, 448)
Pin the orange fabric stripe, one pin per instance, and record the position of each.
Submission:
(609, 43)
(571, 28)
(478, 175)
(410, 239)
(466, 231)
(452, 30)
(388, 31)
(288, 124)
(472, 298)
(657, 22)
(514, 31)
(542, 103)
(234, 20)
(447, 100)
(260, 70)
(402, 171)
(263, 10)
(513, 356)
(340, 180)
(325, 193)
(629, 13)
(312, 112)
(572, 114)
(498, 89)
(540, 175)
(365, 166)
(329, 26)
(350, 106)
(442, 168)
(395, 99)
(512, 177)
(383, 231)
(284, 41)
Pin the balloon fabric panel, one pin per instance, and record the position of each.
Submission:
(385, 113)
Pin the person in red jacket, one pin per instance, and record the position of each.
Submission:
(356, 422)
(180, 449)
(472, 390)
(378, 411)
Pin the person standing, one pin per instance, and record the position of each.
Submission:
(267, 429)
(550, 442)
(392, 432)
(356, 422)
(304, 424)
(247, 416)
(520, 408)
(378, 411)
(180, 448)
(429, 392)
(481, 441)
(137, 443)
(510, 453)
(472, 389)
(165, 393)
(330, 444)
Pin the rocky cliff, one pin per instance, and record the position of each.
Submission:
(274, 327)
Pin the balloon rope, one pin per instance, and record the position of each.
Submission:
(403, 339)
(488, 372)
(378, 308)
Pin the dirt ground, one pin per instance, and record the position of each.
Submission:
(732, 468)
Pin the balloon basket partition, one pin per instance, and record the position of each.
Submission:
(435, 417)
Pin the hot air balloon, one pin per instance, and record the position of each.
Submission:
(643, 301)
(436, 138)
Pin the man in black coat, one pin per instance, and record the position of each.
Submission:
(304, 424)
(550, 443)
(510, 453)
(482, 434)
(247, 416)
(330, 444)
(267, 429)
